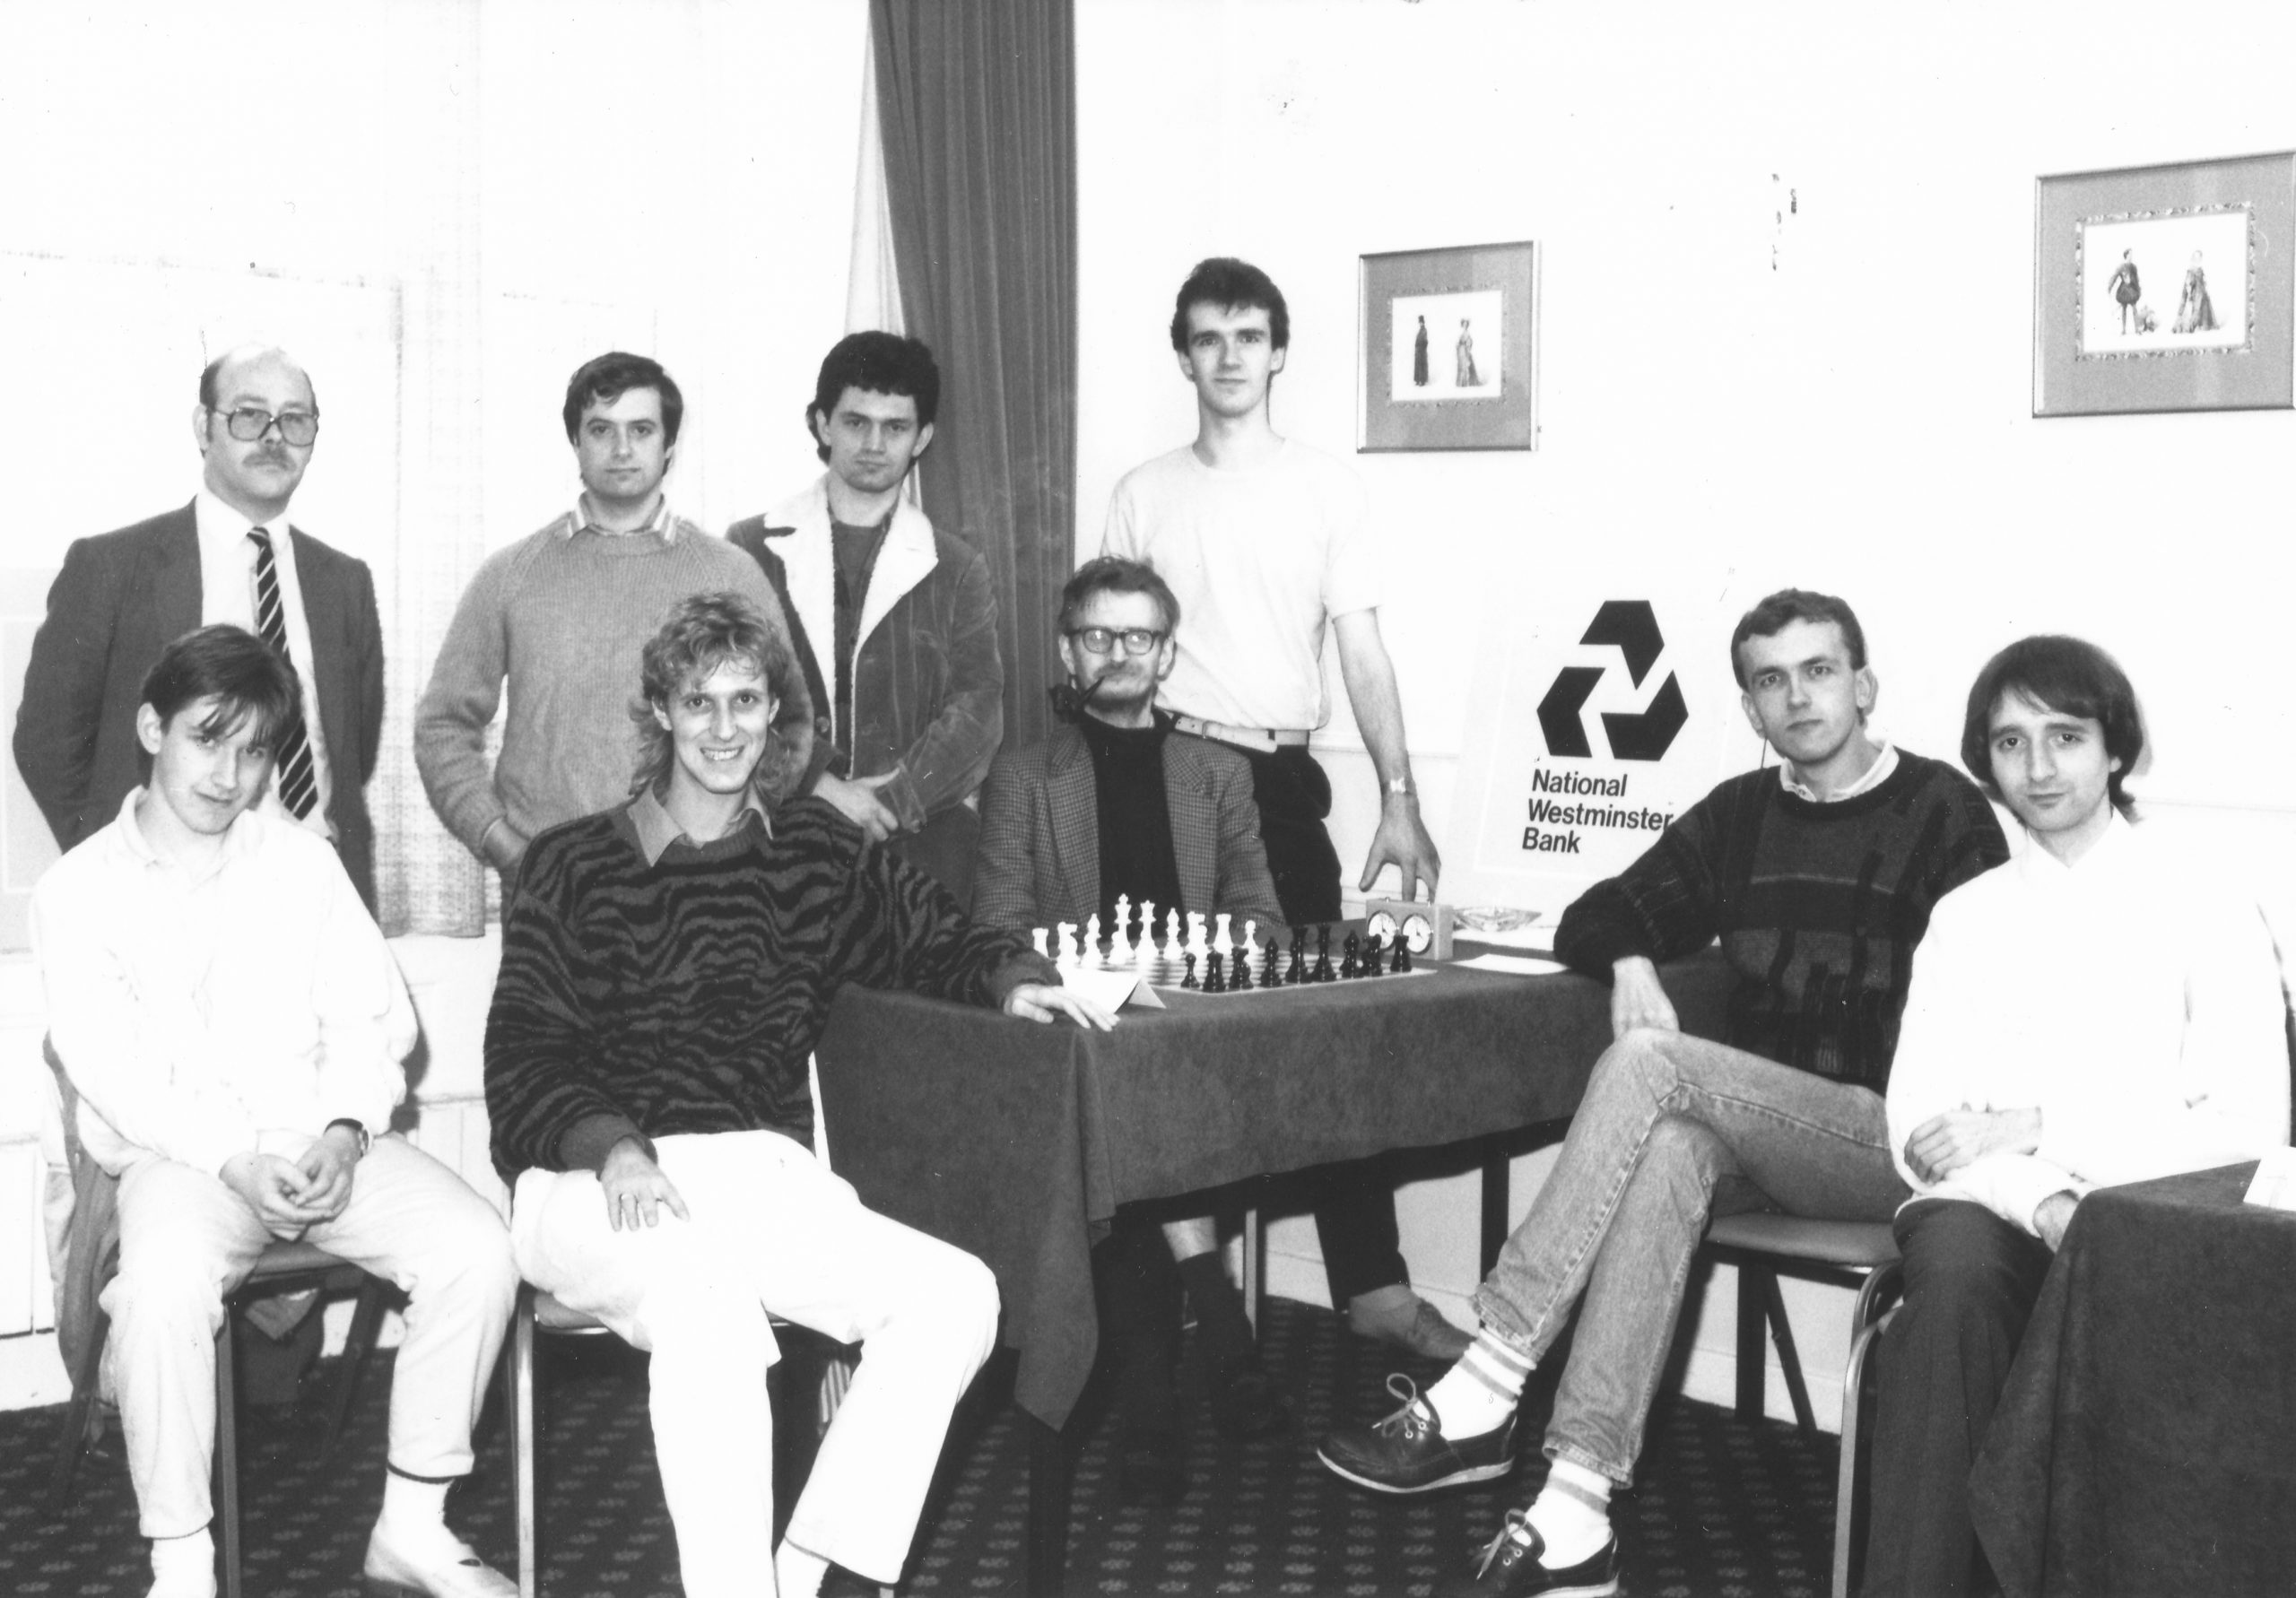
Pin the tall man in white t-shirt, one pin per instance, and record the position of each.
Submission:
(1262, 539)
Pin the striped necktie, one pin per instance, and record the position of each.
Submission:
(297, 786)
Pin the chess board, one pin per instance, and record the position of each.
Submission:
(1166, 965)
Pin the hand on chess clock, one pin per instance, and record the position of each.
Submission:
(857, 801)
(1040, 1002)
(1401, 841)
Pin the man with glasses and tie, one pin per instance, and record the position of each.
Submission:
(1112, 806)
(229, 556)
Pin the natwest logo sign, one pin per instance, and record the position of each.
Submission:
(1632, 626)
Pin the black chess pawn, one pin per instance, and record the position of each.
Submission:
(1242, 980)
(1189, 978)
(1403, 956)
(1375, 949)
(1323, 972)
(1215, 980)
(1351, 966)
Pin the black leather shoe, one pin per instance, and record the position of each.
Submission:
(1509, 1567)
(1407, 1452)
(1245, 1404)
(1149, 1471)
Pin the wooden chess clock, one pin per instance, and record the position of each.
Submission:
(1426, 928)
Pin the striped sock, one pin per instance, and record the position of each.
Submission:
(1571, 1514)
(1478, 1393)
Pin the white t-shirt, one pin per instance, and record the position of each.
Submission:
(1260, 559)
(2134, 996)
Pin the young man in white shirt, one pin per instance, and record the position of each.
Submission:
(234, 1026)
(2097, 1011)
(1263, 540)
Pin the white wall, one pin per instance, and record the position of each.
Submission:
(1787, 298)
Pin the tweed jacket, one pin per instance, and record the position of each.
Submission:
(119, 600)
(1039, 857)
(928, 682)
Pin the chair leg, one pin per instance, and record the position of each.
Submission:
(1853, 1426)
(227, 1450)
(1789, 1361)
(522, 1435)
(366, 1320)
(1755, 1286)
(85, 1381)
(1254, 1273)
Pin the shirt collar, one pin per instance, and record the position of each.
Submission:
(662, 525)
(656, 832)
(2041, 868)
(237, 842)
(219, 524)
(1876, 774)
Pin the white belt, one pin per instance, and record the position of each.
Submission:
(1262, 738)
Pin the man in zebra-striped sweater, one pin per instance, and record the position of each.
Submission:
(666, 969)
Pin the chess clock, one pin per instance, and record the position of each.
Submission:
(1425, 928)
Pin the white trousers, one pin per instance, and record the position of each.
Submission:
(185, 1240)
(772, 1232)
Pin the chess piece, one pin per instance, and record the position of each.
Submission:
(1273, 957)
(1090, 949)
(1298, 974)
(1351, 966)
(1037, 936)
(1323, 972)
(1375, 951)
(1243, 969)
(1064, 939)
(1147, 920)
(1220, 932)
(1189, 979)
(1172, 934)
(1215, 980)
(1402, 955)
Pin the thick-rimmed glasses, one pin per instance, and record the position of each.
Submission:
(249, 424)
(1101, 640)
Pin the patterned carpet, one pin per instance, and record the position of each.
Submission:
(1724, 1509)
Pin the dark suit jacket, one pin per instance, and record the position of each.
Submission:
(124, 596)
(1039, 857)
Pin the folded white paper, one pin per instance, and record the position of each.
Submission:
(1514, 965)
(1112, 990)
(2275, 1186)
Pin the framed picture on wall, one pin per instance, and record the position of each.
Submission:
(2166, 288)
(1450, 349)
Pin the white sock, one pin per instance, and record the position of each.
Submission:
(1571, 1514)
(797, 1572)
(1478, 1393)
(414, 1520)
(184, 1566)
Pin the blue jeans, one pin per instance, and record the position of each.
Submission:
(1672, 1129)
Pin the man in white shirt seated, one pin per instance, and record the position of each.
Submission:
(234, 1026)
(2097, 1011)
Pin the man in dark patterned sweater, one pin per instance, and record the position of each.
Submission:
(1818, 880)
(666, 969)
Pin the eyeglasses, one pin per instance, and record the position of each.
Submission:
(1101, 640)
(298, 428)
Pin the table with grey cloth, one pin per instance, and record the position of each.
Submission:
(1017, 1142)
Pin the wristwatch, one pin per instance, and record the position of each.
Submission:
(1400, 787)
(366, 1138)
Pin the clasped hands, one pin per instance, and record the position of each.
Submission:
(289, 1197)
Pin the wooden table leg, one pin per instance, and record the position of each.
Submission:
(1050, 1484)
(1496, 1161)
